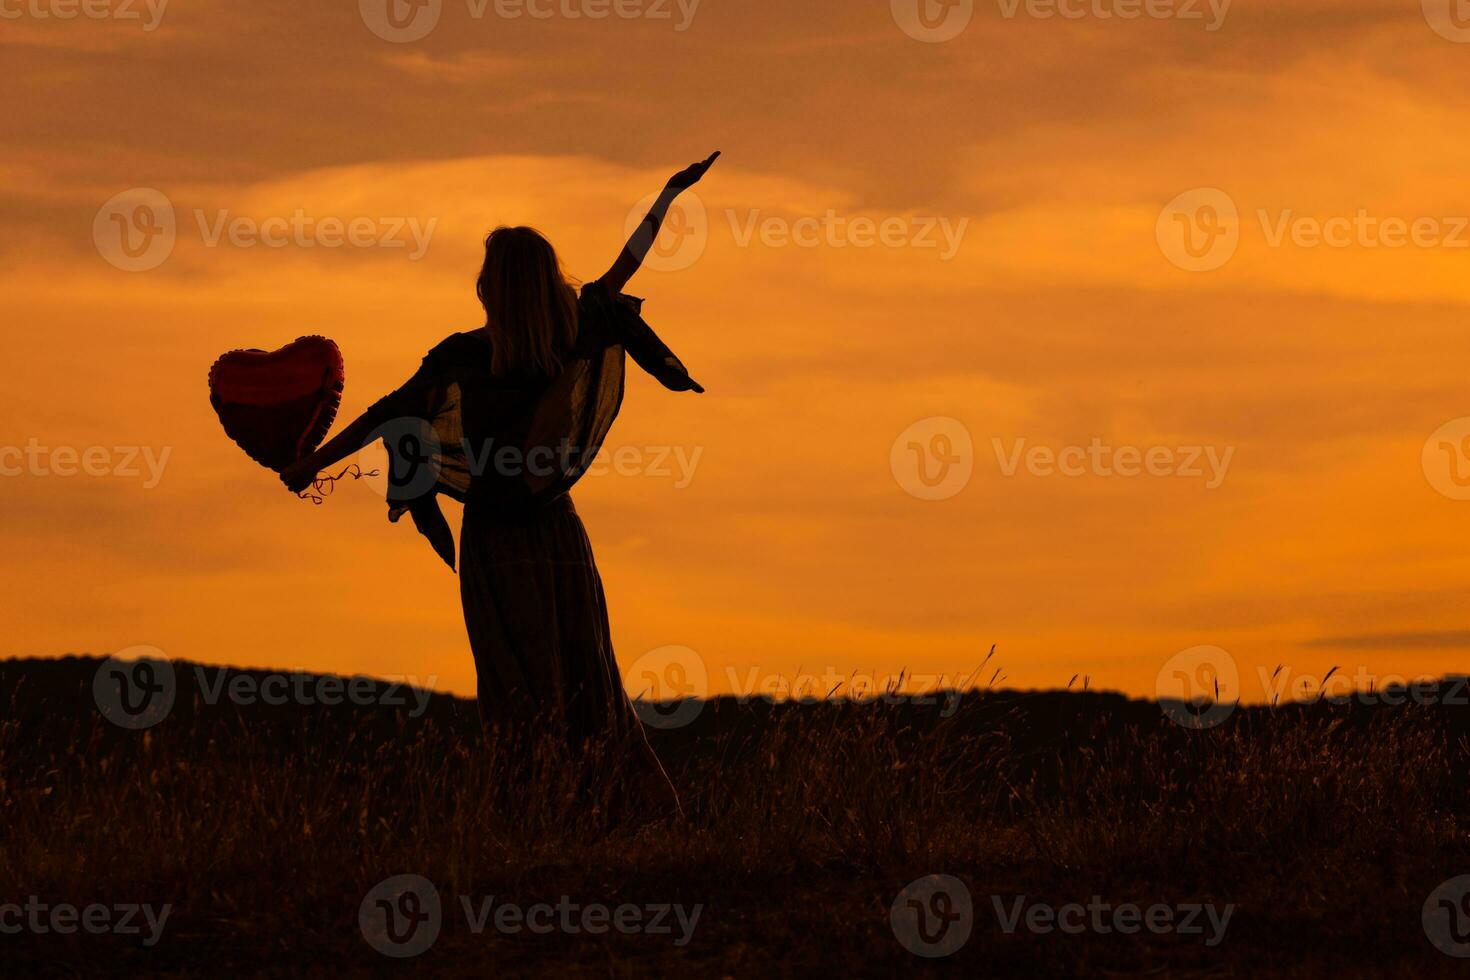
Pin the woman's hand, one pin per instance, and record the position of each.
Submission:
(675, 377)
(300, 474)
(646, 233)
(689, 176)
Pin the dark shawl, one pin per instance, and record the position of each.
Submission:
(511, 444)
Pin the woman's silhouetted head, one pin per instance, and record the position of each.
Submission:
(530, 309)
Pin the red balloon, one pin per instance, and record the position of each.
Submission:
(278, 405)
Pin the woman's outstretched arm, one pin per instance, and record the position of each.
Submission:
(300, 474)
(647, 231)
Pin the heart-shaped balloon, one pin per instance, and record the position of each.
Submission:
(278, 405)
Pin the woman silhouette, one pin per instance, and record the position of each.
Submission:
(505, 418)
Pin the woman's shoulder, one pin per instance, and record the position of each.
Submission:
(458, 343)
(457, 350)
(598, 294)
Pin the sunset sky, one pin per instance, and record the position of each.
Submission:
(1059, 313)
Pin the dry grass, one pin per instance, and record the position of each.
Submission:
(264, 827)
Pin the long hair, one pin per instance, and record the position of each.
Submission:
(530, 307)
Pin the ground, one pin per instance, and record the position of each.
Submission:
(1321, 829)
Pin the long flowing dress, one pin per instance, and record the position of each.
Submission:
(510, 448)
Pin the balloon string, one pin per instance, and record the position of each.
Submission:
(322, 486)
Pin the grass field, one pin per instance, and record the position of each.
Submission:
(1090, 834)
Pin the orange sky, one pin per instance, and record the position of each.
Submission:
(1050, 146)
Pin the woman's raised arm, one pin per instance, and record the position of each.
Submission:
(647, 231)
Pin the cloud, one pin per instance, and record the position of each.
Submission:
(1424, 640)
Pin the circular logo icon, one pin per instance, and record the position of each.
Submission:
(135, 688)
(1447, 18)
(681, 238)
(1199, 687)
(1446, 917)
(135, 231)
(933, 916)
(1199, 230)
(669, 685)
(401, 21)
(401, 459)
(401, 917)
(934, 458)
(932, 21)
(1446, 459)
